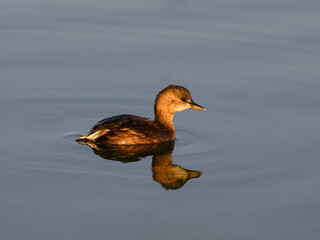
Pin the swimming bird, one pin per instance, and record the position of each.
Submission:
(133, 130)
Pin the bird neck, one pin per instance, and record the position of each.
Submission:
(165, 118)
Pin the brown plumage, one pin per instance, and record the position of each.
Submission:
(132, 130)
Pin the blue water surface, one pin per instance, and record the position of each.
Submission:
(254, 65)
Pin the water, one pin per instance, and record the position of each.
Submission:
(253, 64)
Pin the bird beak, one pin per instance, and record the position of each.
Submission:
(195, 106)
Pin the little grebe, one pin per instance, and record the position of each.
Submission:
(133, 130)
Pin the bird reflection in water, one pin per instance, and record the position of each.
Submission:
(169, 175)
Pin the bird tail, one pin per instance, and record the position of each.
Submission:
(82, 138)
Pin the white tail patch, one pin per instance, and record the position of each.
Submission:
(94, 135)
(82, 137)
(97, 134)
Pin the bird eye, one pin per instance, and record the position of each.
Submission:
(184, 99)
